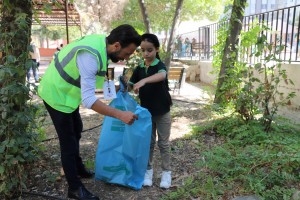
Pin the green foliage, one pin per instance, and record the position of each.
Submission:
(55, 32)
(260, 163)
(191, 189)
(135, 59)
(19, 131)
(50, 176)
(130, 18)
(164, 54)
(222, 34)
(249, 161)
(90, 164)
(162, 21)
(262, 93)
(254, 89)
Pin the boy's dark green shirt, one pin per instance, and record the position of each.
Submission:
(154, 96)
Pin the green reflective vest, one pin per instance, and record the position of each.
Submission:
(60, 85)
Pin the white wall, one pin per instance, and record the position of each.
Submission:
(292, 70)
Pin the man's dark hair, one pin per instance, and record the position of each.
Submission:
(124, 34)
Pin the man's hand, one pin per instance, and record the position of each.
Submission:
(125, 116)
(128, 117)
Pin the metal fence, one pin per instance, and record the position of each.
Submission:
(284, 25)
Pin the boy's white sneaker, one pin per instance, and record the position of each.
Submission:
(148, 177)
(166, 179)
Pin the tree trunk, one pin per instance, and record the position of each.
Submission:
(47, 39)
(145, 16)
(164, 45)
(15, 118)
(230, 52)
(173, 29)
(41, 42)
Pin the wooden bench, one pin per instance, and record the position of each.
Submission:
(175, 75)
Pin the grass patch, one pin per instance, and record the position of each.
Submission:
(249, 161)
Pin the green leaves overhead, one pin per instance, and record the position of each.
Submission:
(161, 12)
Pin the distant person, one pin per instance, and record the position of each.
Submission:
(71, 79)
(58, 50)
(187, 43)
(60, 47)
(194, 41)
(35, 57)
(179, 46)
(149, 80)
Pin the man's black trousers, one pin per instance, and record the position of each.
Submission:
(68, 127)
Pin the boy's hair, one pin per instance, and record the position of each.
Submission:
(149, 37)
(124, 34)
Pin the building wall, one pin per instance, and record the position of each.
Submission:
(292, 70)
(260, 6)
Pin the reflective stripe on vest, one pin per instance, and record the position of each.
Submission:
(61, 65)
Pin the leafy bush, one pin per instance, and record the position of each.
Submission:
(254, 89)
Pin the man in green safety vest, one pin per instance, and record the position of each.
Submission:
(71, 79)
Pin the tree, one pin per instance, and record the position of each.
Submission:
(175, 19)
(163, 12)
(145, 15)
(17, 141)
(54, 33)
(230, 53)
(45, 33)
(97, 15)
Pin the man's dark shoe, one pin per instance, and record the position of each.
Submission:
(85, 173)
(82, 194)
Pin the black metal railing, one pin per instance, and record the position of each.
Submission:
(284, 25)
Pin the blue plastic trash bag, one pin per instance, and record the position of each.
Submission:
(123, 150)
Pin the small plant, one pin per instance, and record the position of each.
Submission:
(260, 88)
(90, 164)
(51, 176)
(253, 90)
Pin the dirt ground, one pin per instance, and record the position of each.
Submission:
(47, 182)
